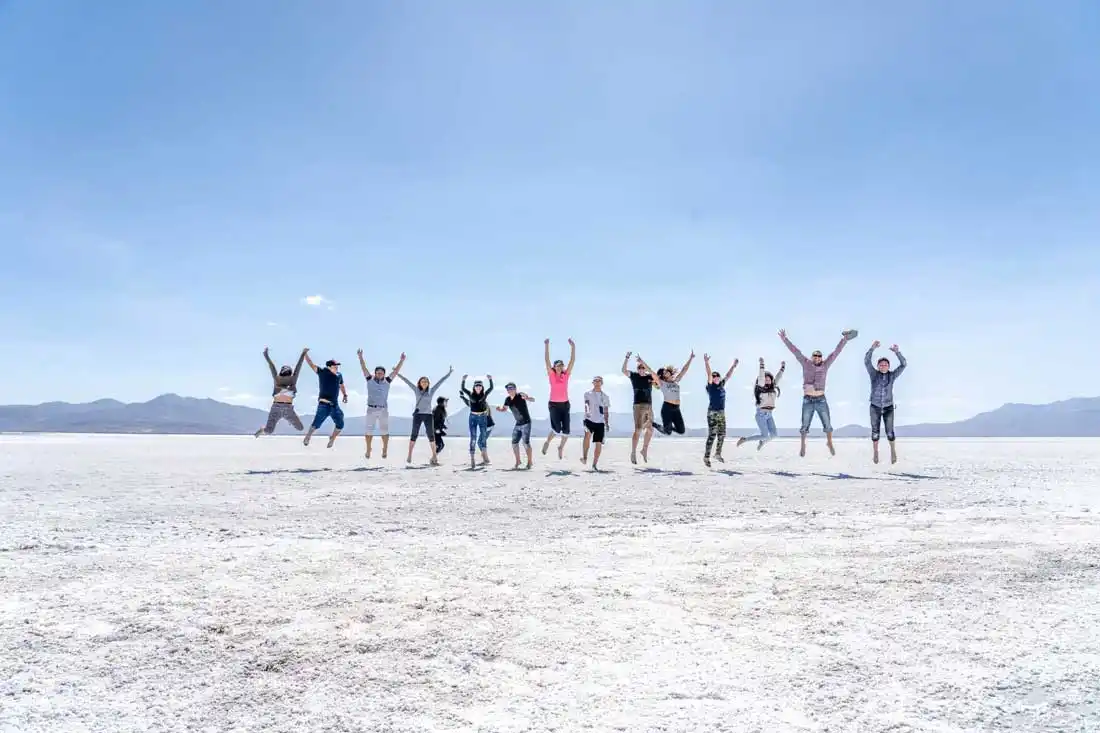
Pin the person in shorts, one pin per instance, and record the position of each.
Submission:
(378, 401)
(643, 382)
(558, 373)
(521, 433)
(597, 421)
(330, 387)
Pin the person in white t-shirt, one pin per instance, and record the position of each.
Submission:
(597, 421)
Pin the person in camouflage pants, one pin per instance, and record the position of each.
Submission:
(716, 410)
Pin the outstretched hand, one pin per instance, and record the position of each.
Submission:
(402, 356)
(736, 362)
(782, 333)
(782, 364)
(265, 351)
(489, 377)
(628, 354)
(876, 344)
(894, 348)
(360, 353)
(546, 341)
(761, 361)
(692, 354)
(571, 342)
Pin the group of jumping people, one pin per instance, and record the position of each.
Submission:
(430, 411)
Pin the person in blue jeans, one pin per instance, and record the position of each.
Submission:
(765, 392)
(882, 397)
(814, 372)
(478, 401)
(521, 433)
(330, 387)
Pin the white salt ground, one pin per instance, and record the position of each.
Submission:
(224, 584)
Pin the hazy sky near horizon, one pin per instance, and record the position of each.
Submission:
(184, 183)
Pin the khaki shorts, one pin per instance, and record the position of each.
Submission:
(643, 416)
(378, 417)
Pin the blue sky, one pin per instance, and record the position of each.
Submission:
(462, 180)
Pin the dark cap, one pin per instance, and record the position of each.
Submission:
(510, 385)
(332, 362)
(817, 352)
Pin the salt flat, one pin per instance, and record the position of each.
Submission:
(233, 584)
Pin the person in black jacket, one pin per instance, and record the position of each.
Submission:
(439, 421)
(478, 401)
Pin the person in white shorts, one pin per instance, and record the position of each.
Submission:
(378, 401)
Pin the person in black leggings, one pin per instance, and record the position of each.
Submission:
(559, 373)
(672, 419)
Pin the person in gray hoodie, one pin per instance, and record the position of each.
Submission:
(283, 392)
(424, 392)
(882, 396)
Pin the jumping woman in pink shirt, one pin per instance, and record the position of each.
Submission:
(559, 375)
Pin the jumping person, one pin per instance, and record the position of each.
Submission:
(378, 401)
(477, 400)
(597, 421)
(423, 392)
(521, 433)
(764, 392)
(814, 371)
(716, 410)
(559, 374)
(330, 388)
(642, 381)
(668, 381)
(882, 397)
(439, 422)
(283, 392)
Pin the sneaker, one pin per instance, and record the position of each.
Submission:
(706, 462)
(741, 442)
(719, 458)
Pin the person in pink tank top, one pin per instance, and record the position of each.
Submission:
(559, 374)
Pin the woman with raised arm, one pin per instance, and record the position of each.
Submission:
(716, 410)
(764, 392)
(814, 371)
(283, 393)
(559, 374)
(882, 397)
(668, 381)
(423, 392)
(478, 402)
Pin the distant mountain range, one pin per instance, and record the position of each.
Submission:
(172, 414)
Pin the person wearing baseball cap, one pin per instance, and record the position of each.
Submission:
(329, 390)
(814, 371)
(516, 401)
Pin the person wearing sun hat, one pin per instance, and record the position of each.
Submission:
(814, 371)
(329, 390)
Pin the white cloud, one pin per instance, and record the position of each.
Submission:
(272, 324)
(318, 301)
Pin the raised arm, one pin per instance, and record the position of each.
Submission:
(310, 361)
(626, 362)
(687, 365)
(411, 385)
(901, 361)
(270, 364)
(442, 379)
(462, 391)
(760, 374)
(779, 374)
(546, 356)
(793, 349)
(867, 359)
(572, 357)
(363, 364)
(730, 372)
(490, 390)
(706, 365)
(649, 369)
(836, 352)
(298, 366)
(397, 369)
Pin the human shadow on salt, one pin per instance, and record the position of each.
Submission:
(560, 472)
(364, 469)
(915, 476)
(417, 468)
(728, 472)
(273, 471)
(842, 477)
(785, 474)
(664, 472)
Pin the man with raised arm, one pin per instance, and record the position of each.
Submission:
(882, 397)
(378, 401)
(814, 371)
(330, 388)
(643, 382)
(559, 374)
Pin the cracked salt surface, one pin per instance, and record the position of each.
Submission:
(224, 584)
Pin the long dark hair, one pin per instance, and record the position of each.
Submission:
(757, 390)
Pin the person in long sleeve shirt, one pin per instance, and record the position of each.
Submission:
(814, 372)
(423, 393)
(765, 393)
(283, 392)
(882, 396)
(477, 400)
